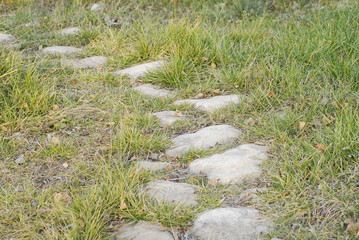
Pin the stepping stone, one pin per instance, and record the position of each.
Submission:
(90, 62)
(69, 31)
(153, 91)
(61, 50)
(172, 192)
(6, 37)
(213, 103)
(98, 7)
(232, 166)
(229, 223)
(204, 138)
(142, 231)
(140, 70)
(152, 166)
(167, 118)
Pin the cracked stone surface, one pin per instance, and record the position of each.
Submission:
(90, 62)
(204, 138)
(232, 166)
(229, 223)
(140, 70)
(213, 103)
(153, 91)
(143, 230)
(61, 50)
(69, 31)
(6, 37)
(172, 192)
(167, 118)
(152, 166)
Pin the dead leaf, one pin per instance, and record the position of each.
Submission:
(45, 209)
(328, 121)
(213, 65)
(271, 94)
(55, 107)
(62, 198)
(204, 59)
(353, 227)
(302, 125)
(213, 182)
(123, 205)
(199, 95)
(250, 121)
(55, 140)
(178, 113)
(319, 146)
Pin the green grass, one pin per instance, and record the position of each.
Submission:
(297, 62)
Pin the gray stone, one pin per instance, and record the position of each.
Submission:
(98, 7)
(69, 31)
(142, 231)
(213, 103)
(90, 62)
(6, 37)
(20, 159)
(61, 50)
(153, 91)
(152, 166)
(232, 166)
(172, 192)
(167, 118)
(204, 138)
(140, 70)
(229, 223)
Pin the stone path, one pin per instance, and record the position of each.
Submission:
(140, 70)
(204, 138)
(233, 166)
(229, 223)
(61, 50)
(168, 118)
(69, 31)
(213, 103)
(172, 192)
(144, 231)
(90, 62)
(153, 91)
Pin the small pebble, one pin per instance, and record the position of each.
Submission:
(20, 159)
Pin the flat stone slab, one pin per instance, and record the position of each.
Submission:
(153, 91)
(61, 50)
(151, 166)
(229, 223)
(140, 70)
(204, 138)
(213, 103)
(90, 62)
(172, 192)
(69, 31)
(6, 37)
(142, 231)
(232, 166)
(167, 118)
